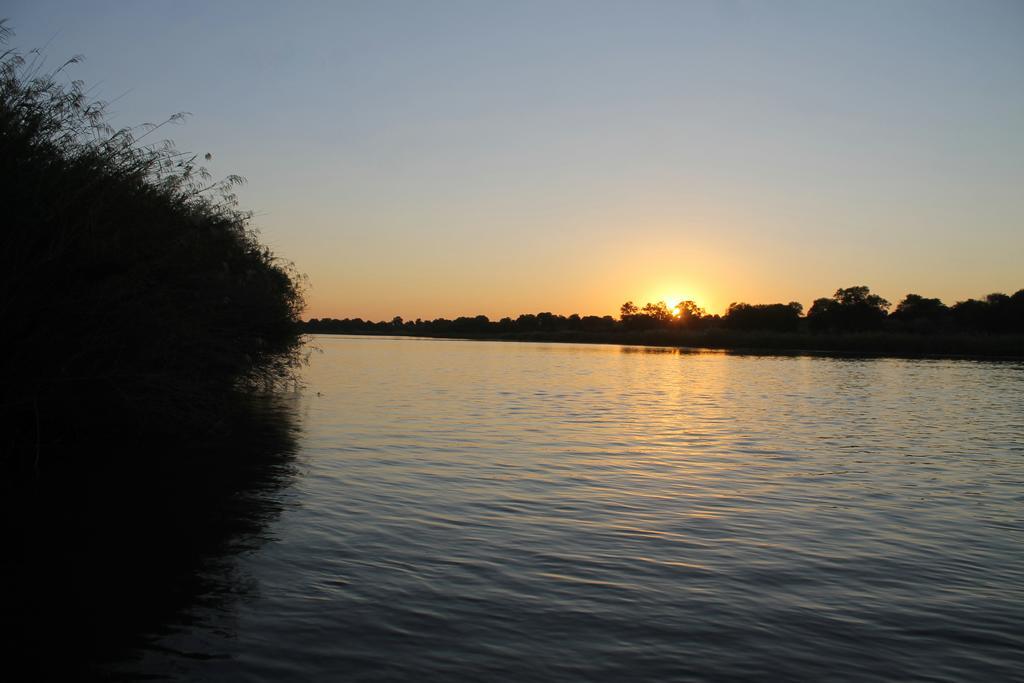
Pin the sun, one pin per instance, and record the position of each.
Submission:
(674, 297)
(677, 307)
(674, 302)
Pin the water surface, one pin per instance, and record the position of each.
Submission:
(514, 511)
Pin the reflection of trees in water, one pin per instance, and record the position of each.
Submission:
(99, 560)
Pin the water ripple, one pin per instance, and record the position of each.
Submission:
(542, 512)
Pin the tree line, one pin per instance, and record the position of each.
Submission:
(848, 310)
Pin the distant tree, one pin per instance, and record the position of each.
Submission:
(475, 325)
(999, 312)
(849, 310)
(996, 313)
(1016, 311)
(690, 312)
(658, 313)
(860, 296)
(593, 323)
(778, 317)
(547, 321)
(650, 316)
(440, 325)
(526, 322)
(821, 315)
(918, 313)
(633, 318)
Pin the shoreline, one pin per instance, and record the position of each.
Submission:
(970, 347)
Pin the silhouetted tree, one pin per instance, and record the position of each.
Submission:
(479, 324)
(548, 322)
(648, 317)
(849, 310)
(1015, 311)
(593, 323)
(526, 322)
(778, 317)
(996, 314)
(690, 313)
(659, 313)
(921, 314)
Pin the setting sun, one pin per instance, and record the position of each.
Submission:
(675, 301)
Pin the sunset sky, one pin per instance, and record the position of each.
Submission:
(430, 159)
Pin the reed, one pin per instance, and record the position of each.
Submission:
(135, 297)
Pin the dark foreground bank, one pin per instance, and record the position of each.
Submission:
(141, 320)
(134, 295)
(104, 557)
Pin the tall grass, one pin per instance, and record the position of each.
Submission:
(134, 294)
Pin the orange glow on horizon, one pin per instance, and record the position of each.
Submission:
(676, 300)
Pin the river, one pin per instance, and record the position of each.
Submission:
(512, 511)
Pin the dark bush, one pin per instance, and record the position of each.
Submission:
(133, 291)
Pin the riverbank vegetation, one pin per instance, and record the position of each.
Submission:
(143, 323)
(852, 320)
(135, 297)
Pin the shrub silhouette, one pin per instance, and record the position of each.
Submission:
(133, 290)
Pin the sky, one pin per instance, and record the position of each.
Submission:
(429, 159)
